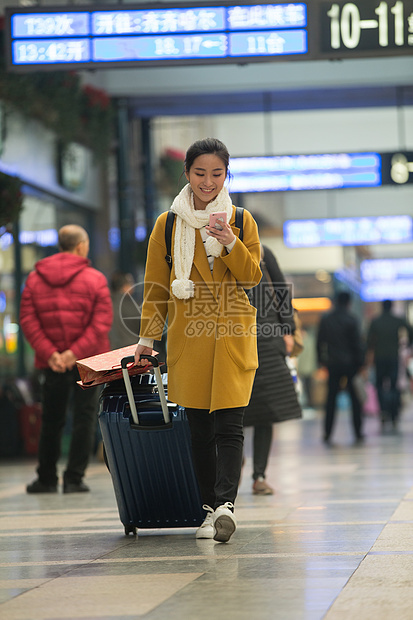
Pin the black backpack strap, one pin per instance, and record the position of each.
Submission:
(239, 221)
(170, 218)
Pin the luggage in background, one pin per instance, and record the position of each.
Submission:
(148, 449)
(371, 406)
(10, 401)
(29, 414)
(30, 422)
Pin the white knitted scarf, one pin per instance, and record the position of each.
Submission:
(187, 221)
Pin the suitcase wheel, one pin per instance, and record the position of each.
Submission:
(130, 529)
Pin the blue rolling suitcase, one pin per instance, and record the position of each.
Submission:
(148, 451)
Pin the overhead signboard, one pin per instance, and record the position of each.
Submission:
(381, 290)
(304, 172)
(366, 27)
(386, 278)
(282, 173)
(348, 231)
(374, 269)
(397, 168)
(185, 33)
(155, 34)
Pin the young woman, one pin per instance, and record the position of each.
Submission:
(212, 346)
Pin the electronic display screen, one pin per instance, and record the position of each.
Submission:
(304, 172)
(348, 231)
(51, 51)
(275, 42)
(366, 26)
(36, 25)
(153, 36)
(151, 48)
(380, 290)
(386, 269)
(207, 33)
(158, 21)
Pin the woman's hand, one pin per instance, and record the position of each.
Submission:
(289, 343)
(224, 236)
(140, 353)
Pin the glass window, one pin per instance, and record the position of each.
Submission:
(8, 317)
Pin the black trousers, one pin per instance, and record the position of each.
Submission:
(261, 449)
(339, 375)
(57, 389)
(388, 393)
(217, 449)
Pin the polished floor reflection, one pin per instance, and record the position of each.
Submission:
(334, 542)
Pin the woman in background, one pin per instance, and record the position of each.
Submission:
(274, 397)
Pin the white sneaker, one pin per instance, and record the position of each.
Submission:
(224, 522)
(206, 529)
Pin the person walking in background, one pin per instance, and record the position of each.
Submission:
(126, 321)
(340, 349)
(274, 397)
(211, 345)
(66, 315)
(307, 366)
(384, 338)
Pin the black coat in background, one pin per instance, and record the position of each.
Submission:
(274, 397)
(339, 341)
(384, 335)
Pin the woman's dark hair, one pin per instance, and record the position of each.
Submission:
(207, 146)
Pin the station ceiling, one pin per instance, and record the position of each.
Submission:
(269, 86)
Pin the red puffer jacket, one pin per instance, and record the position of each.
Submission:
(66, 305)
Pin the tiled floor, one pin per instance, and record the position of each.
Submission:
(334, 542)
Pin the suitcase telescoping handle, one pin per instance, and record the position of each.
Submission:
(124, 364)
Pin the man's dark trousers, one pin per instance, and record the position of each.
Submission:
(338, 373)
(387, 372)
(57, 389)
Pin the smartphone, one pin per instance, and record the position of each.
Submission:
(215, 218)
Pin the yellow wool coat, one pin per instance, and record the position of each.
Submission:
(211, 339)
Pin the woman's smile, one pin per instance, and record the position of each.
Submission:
(207, 169)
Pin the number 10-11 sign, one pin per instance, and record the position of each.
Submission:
(366, 26)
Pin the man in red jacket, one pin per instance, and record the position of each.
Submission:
(66, 315)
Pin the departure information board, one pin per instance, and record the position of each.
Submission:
(386, 278)
(348, 231)
(205, 33)
(283, 173)
(153, 35)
